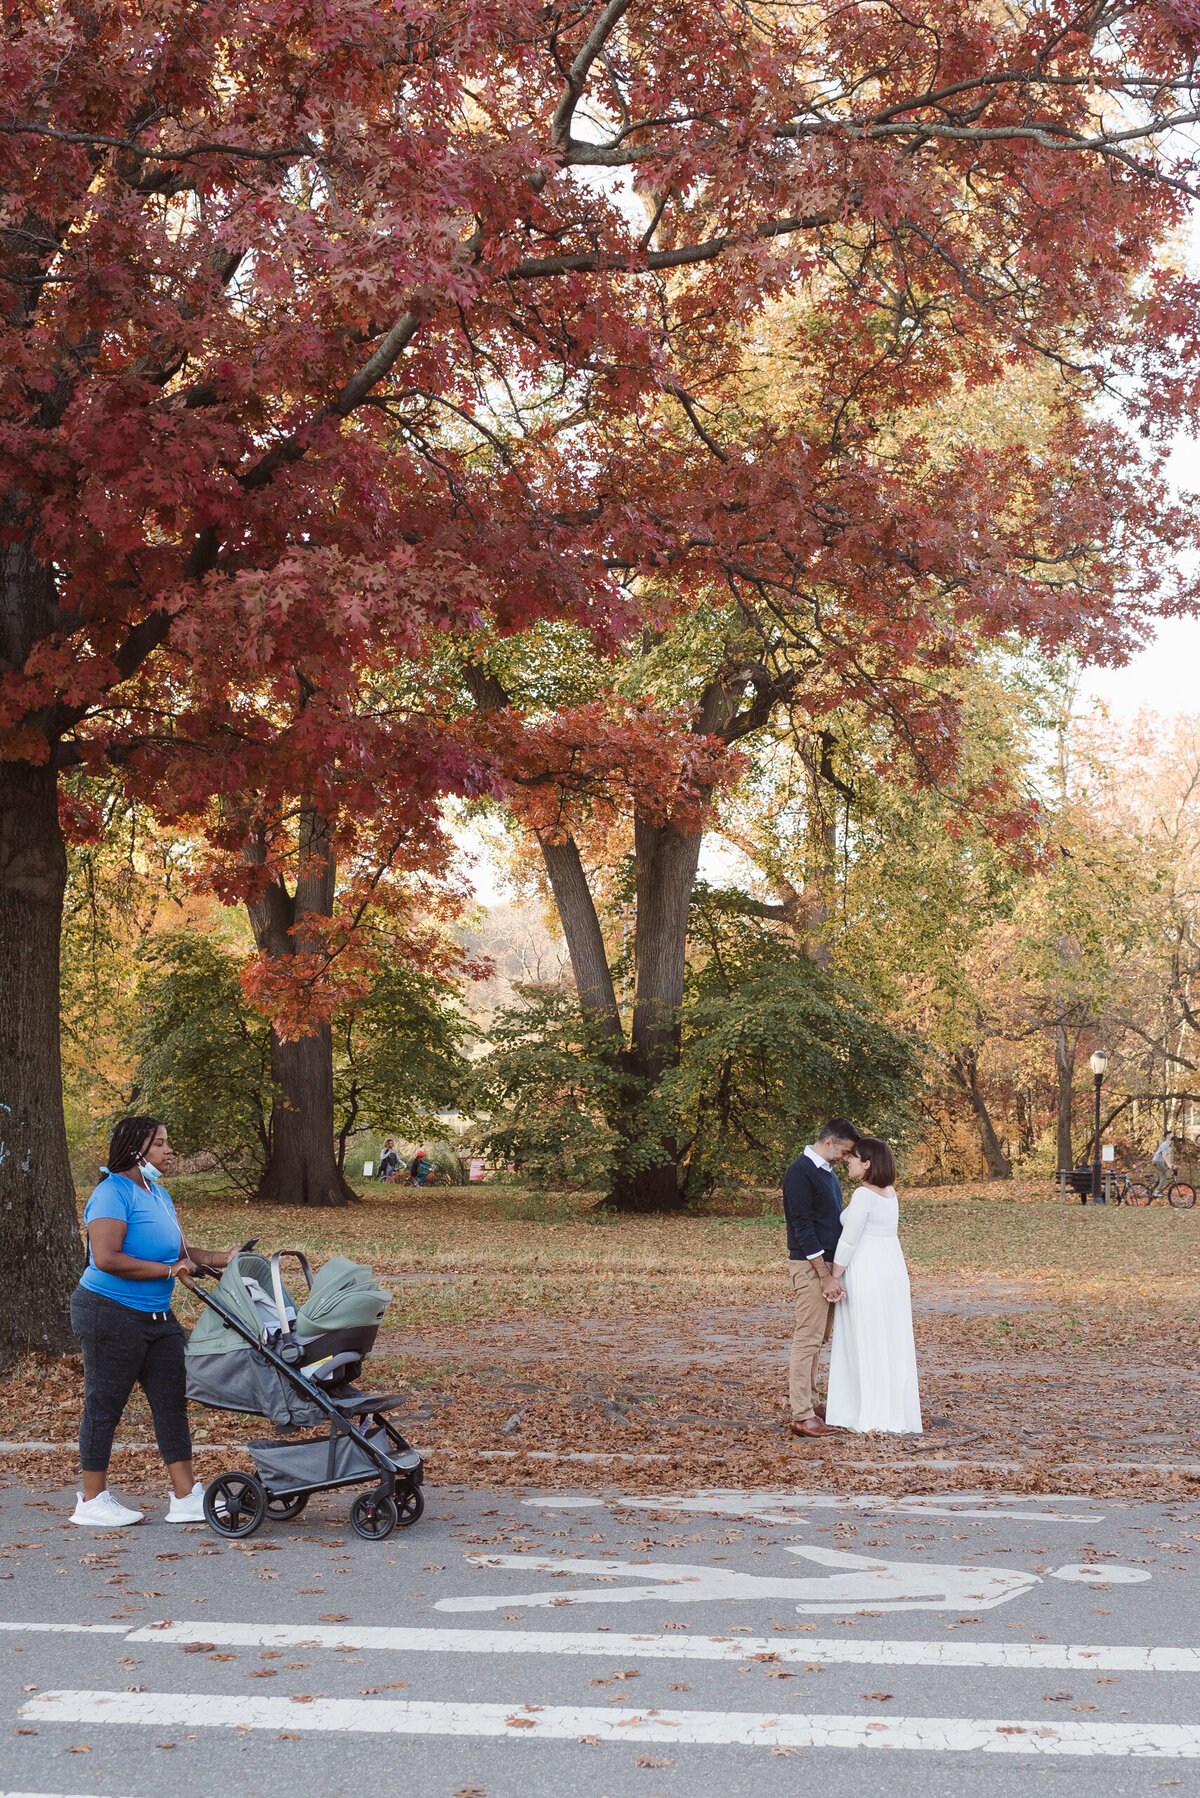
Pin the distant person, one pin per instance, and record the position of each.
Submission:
(873, 1362)
(1163, 1159)
(389, 1161)
(121, 1313)
(1080, 1178)
(420, 1170)
(812, 1209)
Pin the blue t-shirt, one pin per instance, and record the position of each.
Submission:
(152, 1233)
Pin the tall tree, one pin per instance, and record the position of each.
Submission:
(256, 264)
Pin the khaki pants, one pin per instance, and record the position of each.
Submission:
(814, 1327)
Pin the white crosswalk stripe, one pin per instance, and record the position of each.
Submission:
(48, 1795)
(1029, 1656)
(171, 1710)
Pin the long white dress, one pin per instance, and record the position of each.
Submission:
(873, 1361)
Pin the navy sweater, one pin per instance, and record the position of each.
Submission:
(812, 1205)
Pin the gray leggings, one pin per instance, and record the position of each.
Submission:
(121, 1349)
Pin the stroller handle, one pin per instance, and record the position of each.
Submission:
(277, 1282)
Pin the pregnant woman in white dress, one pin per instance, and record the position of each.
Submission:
(873, 1361)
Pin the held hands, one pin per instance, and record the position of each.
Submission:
(832, 1290)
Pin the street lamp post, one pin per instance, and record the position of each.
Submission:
(1098, 1063)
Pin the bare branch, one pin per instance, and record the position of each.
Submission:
(560, 123)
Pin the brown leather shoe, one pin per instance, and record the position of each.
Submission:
(813, 1426)
(820, 1410)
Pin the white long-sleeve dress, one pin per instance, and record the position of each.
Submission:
(873, 1361)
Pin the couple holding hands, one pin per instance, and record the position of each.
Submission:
(850, 1282)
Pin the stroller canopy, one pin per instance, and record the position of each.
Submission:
(344, 1296)
(212, 1337)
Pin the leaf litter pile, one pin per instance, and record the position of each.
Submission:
(1057, 1346)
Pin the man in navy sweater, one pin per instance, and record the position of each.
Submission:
(812, 1206)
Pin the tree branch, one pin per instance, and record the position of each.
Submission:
(564, 112)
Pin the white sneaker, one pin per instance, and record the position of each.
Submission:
(103, 1512)
(189, 1509)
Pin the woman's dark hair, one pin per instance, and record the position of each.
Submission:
(881, 1163)
(130, 1139)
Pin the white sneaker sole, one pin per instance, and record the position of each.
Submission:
(106, 1523)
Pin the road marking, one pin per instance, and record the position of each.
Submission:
(858, 1580)
(172, 1710)
(1047, 1656)
(1098, 1573)
(784, 1507)
(69, 1629)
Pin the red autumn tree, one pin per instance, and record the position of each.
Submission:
(257, 261)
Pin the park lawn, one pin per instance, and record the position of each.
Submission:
(509, 1249)
(522, 1323)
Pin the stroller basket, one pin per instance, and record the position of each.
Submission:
(289, 1466)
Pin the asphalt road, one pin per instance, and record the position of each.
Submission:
(534, 1646)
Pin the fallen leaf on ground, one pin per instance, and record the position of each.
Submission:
(646, 1760)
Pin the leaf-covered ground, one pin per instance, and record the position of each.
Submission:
(1054, 1341)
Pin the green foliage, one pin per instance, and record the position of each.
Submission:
(398, 1059)
(770, 1043)
(204, 1057)
(554, 1093)
(204, 1061)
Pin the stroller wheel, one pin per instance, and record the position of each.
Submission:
(234, 1504)
(373, 1516)
(286, 1508)
(411, 1504)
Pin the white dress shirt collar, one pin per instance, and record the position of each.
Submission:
(811, 1151)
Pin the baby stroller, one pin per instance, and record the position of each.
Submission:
(254, 1351)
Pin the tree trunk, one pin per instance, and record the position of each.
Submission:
(40, 1246)
(303, 1168)
(1064, 1067)
(966, 1069)
(666, 872)
(581, 927)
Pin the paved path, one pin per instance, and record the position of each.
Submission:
(543, 1646)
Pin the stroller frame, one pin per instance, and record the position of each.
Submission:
(373, 1515)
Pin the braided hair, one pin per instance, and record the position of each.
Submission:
(130, 1139)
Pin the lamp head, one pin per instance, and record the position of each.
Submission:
(1099, 1062)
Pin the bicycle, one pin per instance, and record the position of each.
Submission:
(1123, 1191)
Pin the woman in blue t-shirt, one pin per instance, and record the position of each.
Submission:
(121, 1313)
